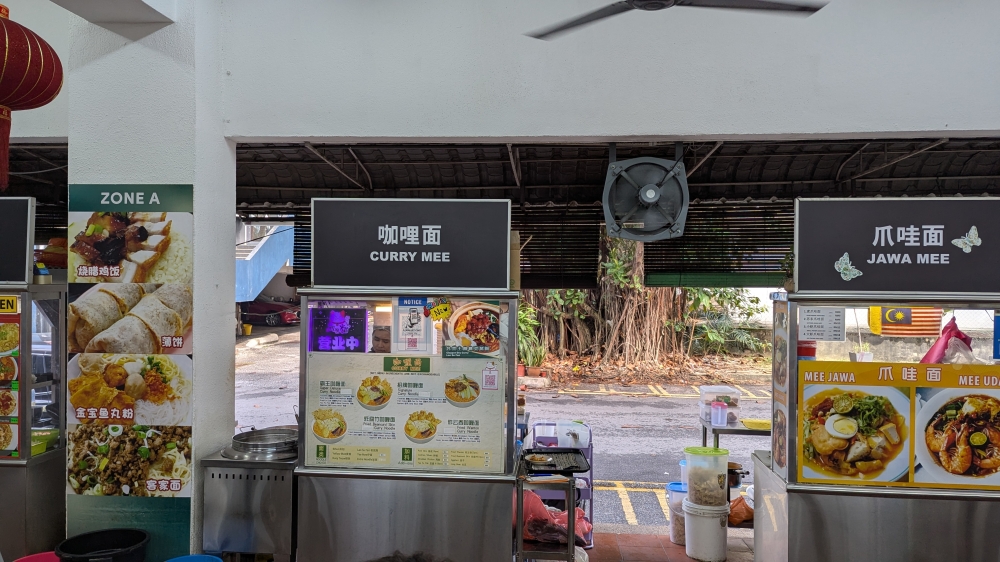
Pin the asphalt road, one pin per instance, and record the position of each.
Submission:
(639, 432)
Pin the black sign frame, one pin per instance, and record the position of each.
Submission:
(892, 248)
(472, 251)
(17, 239)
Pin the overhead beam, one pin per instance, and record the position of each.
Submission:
(132, 19)
(371, 186)
(515, 166)
(312, 149)
(704, 158)
(900, 159)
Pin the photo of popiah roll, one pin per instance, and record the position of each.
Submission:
(131, 318)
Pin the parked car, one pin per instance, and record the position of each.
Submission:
(271, 313)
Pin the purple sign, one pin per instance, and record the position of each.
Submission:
(338, 330)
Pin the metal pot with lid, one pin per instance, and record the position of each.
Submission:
(268, 444)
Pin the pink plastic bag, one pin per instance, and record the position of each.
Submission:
(541, 524)
(936, 353)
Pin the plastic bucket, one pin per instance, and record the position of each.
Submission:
(705, 531)
(247, 329)
(109, 545)
(676, 492)
(196, 558)
(40, 557)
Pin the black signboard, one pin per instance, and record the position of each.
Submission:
(16, 237)
(933, 245)
(411, 243)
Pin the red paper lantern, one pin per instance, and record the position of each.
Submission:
(30, 76)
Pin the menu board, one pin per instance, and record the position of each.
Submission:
(822, 323)
(899, 424)
(10, 381)
(404, 412)
(779, 391)
(129, 324)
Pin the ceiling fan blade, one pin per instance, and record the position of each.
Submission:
(800, 7)
(606, 12)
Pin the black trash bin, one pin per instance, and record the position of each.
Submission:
(109, 545)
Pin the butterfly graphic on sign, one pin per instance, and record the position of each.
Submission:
(968, 241)
(846, 270)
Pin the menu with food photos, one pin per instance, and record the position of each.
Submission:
(402, 412)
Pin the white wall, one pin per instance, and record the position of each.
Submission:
(48, 123)
(461, 69)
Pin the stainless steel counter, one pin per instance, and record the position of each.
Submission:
(862, 524)
(249, 506)
(353, 518)
(33, 518)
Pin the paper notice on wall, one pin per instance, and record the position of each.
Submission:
(413, 330)
(822, 323)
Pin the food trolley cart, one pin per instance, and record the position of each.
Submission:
(407, 390)
(32, 453)
(895, 458)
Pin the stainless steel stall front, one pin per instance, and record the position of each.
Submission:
(886, 408)
(407, 389)
(32, 424)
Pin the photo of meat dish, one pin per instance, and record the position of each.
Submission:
(8, 369)
(118, 460)
(963, 435)
(156, 388)
(115, 247)
(8, 402)
(476, 325)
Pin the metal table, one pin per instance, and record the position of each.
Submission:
(736, 428)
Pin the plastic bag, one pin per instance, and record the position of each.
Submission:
(545, 524)
(937, 351)
(739, 511)
(958, 352)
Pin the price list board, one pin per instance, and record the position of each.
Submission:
(405, 412)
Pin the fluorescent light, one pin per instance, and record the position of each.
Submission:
(383, 308)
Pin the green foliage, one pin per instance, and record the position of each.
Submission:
(527, 329)
(564, 303)
(788, 264)
(721, 318)
(618, 269)
(533, 355)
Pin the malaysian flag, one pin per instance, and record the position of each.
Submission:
(918, 322)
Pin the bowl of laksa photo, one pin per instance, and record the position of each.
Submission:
(958, 438)
(855, 433)
(329, 426)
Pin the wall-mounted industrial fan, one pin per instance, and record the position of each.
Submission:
(654, 5)
(646, 199)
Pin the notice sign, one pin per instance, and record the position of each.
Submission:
(821, 323)
(899, 424)
(17, 232)
(411, 243)
(932, 245)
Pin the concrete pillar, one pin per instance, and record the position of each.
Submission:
(149, 111)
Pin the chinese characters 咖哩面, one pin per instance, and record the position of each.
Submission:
(426, 235)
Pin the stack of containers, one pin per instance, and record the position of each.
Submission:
(676, 492)
(706, 507)
(727, 395)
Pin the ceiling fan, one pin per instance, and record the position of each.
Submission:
(652, 5)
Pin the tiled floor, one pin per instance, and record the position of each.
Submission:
(610, 547)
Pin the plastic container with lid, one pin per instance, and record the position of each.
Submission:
(708, 475)
(720, 414)
(720, 393)
(806, 350)
(676, 492)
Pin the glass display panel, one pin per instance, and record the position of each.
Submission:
(899, 396)
(46, 369)
(407, 383)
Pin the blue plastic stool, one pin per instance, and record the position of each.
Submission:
(196, 558)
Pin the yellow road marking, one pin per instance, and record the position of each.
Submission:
(661, 497)
(662, 391)
(747, 392)
(602, 387)
(653, 389)
(626, 504)
(697, 391)
(767, 394)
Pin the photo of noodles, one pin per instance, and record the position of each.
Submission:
(461, 391)
(8, 402)
(131, 318)
(476, 326)
(10, 337)
(962, 436)
(856, 433)
(8, 368)
(140, 247)
(779, 435)
(374, 393)
(329, 426)
(106, 388)
(421, 426)
(129, 460)
(6, 437)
